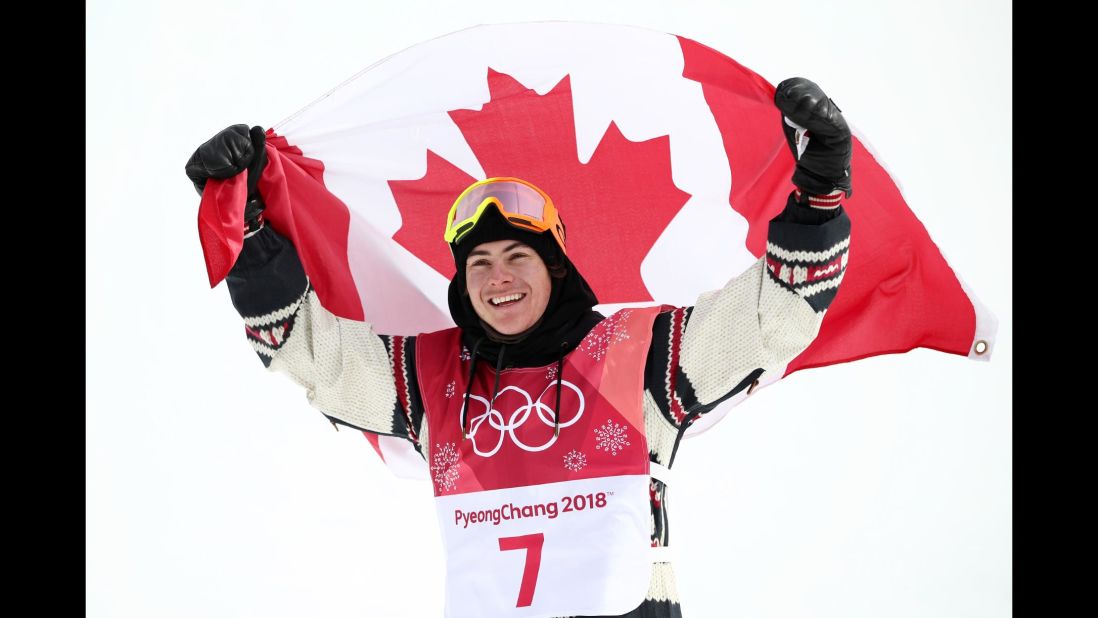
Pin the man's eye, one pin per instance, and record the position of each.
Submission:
(478, 263)
(516, 256)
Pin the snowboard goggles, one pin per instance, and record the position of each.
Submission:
(522, 205)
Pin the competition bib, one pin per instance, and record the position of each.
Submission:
(537, 523)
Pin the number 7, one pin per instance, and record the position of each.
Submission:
(532, 544)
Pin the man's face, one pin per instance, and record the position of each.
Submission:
(508, 285)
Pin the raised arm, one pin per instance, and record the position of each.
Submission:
(770, 313)
(354, 376)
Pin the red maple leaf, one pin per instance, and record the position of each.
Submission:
(615, 206)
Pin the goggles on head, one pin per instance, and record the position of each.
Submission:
(522, 205)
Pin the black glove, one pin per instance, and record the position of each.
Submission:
(817, 135)
(225, 155)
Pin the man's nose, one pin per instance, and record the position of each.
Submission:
(500, 274)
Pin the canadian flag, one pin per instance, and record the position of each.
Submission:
(665, 157)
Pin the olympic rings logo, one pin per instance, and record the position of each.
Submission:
(519, 417)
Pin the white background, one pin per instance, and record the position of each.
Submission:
(881, 487)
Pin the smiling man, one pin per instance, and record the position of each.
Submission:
(549, 428)
(508, 285)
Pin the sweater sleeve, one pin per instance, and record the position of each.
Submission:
(758, 322)
(353, 375)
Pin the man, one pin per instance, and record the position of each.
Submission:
(549, 428)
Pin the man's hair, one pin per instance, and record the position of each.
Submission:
(557, 268)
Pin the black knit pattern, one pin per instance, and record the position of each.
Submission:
(267, 278)
(408, 407)
(806, 252)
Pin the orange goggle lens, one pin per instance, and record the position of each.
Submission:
(522, 205)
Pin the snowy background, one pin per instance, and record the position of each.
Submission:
(881, 487)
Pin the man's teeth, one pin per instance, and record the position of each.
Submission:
(499, 300)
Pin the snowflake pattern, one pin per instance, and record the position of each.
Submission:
(611, 437)
(551, 373)
(610, 331)
(444, 466)
(465, 354)
(575, 461)
(450, 389)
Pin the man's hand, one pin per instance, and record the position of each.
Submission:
(817, 135)
(228, 153)
(225, 155)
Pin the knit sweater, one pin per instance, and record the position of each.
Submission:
(699, 357)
